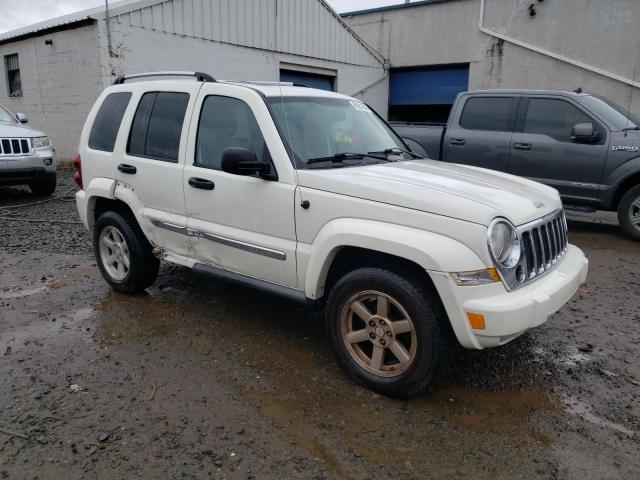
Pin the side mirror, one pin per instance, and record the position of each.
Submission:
(21, 117)
(243, 161)
(584, 133)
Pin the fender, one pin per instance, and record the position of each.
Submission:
(430, 250)
(112, 190)
(619, 176)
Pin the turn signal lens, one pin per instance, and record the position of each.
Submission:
(476, 277)
(476, 321)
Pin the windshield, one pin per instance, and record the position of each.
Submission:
(610, 112)
(5, 117)
(319, 128)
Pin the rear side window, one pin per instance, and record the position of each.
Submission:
(107, 122)
(157, 126)
(553, 117)
(488, 113)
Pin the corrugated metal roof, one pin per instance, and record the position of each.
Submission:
(392, 7)
(309, 28)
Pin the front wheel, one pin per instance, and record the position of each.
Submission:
(44, 186)
(388, 330)
(123, 253)
(629, 213)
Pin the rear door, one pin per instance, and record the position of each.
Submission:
(153, 160)
(480, 131)
(542, 149)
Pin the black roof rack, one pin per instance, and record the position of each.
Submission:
(199, 76)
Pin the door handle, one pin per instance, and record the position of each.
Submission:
(201, 183)
(457, 141)
(522, 146)
(129, 169)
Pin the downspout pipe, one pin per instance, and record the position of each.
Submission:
(550, 54)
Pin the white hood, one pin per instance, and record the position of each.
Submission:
(459, 191)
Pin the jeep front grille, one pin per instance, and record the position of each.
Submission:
(544, 242)
(14, 146)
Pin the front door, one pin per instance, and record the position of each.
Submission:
(542, 149)
(244, 224)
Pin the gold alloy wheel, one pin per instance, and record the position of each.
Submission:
(378, 333)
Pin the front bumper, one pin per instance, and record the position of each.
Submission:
(509, 314)
(20, 170)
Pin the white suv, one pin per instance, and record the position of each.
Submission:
(309, 194)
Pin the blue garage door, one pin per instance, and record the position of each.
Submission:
(426, 94)
(313, 80)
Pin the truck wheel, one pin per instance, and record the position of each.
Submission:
(629, 213)
(388, 330)
(124, 255)
(45, 186)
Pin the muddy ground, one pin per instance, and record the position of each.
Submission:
(201, 379)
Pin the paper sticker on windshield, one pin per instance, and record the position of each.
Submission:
(360, 106)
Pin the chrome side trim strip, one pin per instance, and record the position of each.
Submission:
(247, 247)
(169, 226)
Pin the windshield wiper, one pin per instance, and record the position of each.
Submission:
(628, 129)
(341, 157)
(390, 151)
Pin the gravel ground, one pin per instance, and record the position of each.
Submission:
(200, 379)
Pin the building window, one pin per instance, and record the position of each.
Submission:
(13, 75)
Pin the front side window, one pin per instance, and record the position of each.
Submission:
(107, 122)
(14, 81)
(157, 126)
(488, 113)
(319, 128)
(5, 116)
(224, 123)
(610, 112)
(553, 117)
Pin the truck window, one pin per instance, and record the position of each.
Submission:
(107, 122)
(157, 126)
(553, 117)
(488, 113)
(226, 122)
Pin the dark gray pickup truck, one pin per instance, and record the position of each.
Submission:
(583, 145)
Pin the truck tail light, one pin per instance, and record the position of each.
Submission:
(77, 164)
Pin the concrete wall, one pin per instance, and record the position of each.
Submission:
(59, 83)
(601, 33)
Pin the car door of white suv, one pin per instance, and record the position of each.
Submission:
(153, 159)
(243, 224)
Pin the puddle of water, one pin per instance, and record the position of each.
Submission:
(584, 411)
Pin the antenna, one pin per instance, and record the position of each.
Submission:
(633, 78)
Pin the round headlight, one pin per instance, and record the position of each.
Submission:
(504, 243)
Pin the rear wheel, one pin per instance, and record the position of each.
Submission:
(388, 330)
(629, 213)
(45, 186)
(123, 253)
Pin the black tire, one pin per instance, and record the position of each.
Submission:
(143, 265)
(45, 186)
(628, 207)
(433, 333)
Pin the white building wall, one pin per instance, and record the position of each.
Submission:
(139, 49)
(601, 33)
(59, 83)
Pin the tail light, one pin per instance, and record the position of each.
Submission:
(77, 164)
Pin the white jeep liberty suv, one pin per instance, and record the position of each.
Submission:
(311, 195)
